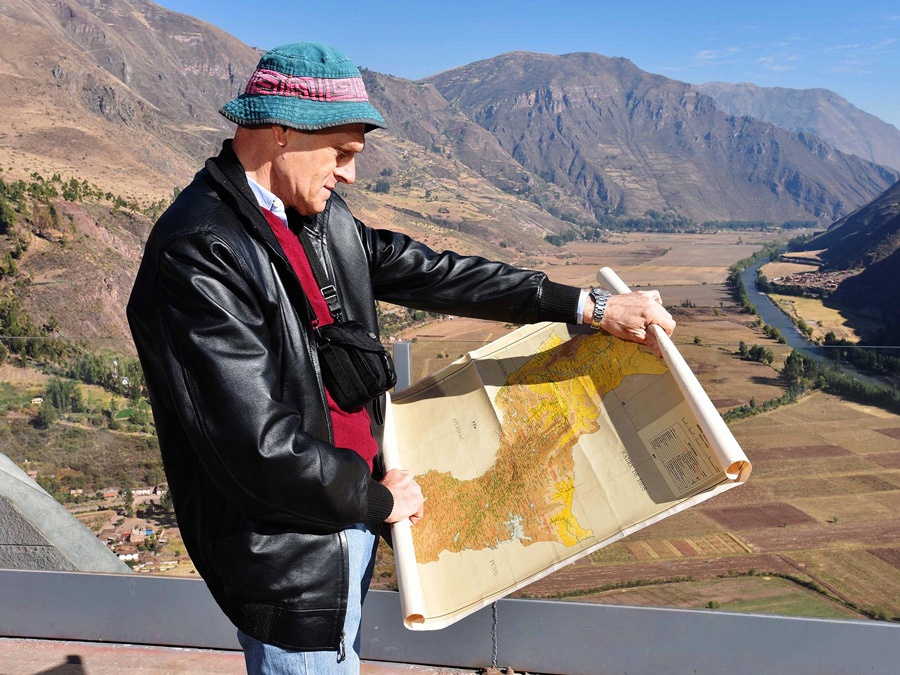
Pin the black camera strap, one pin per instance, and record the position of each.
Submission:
(328, 290)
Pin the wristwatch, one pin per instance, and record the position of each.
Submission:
(600, 298)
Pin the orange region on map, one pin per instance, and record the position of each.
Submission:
(528, 493)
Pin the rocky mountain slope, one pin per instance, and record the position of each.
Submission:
(875, 292)
(868, 239)
(488, 159)
(630, 141)
(817, 111)
(125, 93)
(416, 112)
(865, 237)
(79, 272)
(114, 91)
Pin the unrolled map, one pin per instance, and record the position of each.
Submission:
(536, 450)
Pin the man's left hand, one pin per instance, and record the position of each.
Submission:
(408, 499)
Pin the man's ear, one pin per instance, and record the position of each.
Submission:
(280, 133)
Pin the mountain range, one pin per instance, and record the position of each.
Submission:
(819, 112)
(629, 141)
(126, 91)
(487, 158)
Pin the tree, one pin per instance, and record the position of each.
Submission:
(794, 369)
(111, 414)
(46, 415)
(154, 476)
(128, 497)
(140, 417)
(8, 216)
(65, 395)
(761, 354)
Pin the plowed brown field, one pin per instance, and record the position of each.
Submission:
(822, 504)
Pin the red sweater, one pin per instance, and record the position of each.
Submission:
(351, 430)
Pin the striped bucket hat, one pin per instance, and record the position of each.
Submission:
(307, 86)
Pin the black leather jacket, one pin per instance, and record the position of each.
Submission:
(218, 317)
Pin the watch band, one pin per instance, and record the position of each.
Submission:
(600, 298)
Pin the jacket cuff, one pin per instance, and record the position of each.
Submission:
(558, 303)
(381, 503)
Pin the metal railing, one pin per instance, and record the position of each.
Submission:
(533, 636)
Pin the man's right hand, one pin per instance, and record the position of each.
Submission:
(408, 499)
(630, 315)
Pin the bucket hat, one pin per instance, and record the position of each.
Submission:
(307, 86)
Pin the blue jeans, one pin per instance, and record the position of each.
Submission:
(266, 659)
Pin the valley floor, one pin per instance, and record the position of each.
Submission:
(814, 532)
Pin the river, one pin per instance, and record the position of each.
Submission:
(772, 315)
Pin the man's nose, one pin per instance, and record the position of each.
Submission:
(346, 173)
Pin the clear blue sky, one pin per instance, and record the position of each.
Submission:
(852, 48)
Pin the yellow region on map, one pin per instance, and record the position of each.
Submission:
(529, 491)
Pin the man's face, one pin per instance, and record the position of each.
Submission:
(313, 163)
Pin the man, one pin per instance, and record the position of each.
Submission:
(272, 481)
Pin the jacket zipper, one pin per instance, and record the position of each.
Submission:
(377, 408)
(345, 591)
(310, 345)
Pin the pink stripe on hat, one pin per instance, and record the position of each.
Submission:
(266, 81)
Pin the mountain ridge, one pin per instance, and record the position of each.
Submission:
(865, 237)
(631, 141)
(140, 85)
(90, 82)
(819, 111)
(126, 94)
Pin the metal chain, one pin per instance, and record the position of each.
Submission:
(494, 636)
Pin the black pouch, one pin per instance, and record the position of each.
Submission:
(355, 367)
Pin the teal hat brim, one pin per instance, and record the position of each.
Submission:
(249, 110)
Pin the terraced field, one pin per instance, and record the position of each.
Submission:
(816, 512)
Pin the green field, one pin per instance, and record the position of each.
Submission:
(749, 595)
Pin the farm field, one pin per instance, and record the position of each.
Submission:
(815, 530)
(820, 508)
(774, 270)
(754, 594)
(816, 314)
(689, 269)
(821, 316)
(648, 260)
